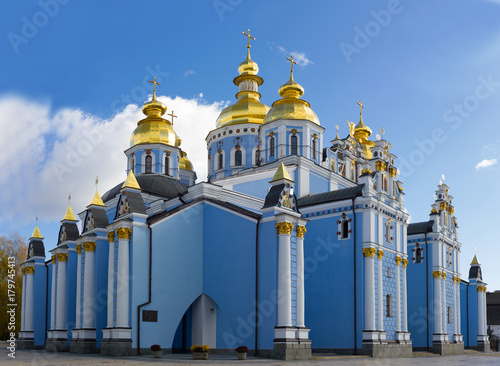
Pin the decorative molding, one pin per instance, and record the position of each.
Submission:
(111, 236)
(53, 257)
(124, 233)
(444, 275)
(301, 231)
(89, 246)
(398, 260)
(79, 249)
(29, 270)
(380, 254)
(62, 257)
(369, 252)
(405, 262)
(436, 274)
(284, 228)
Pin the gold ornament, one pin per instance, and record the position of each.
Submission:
(124, 233)
(284, 228)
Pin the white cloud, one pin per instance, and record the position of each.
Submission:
(47, 154)
(299, 57)
(486, 163)
(189, 73)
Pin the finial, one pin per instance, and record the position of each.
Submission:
(154, 82)
(378, 137)
(248, 36)
(96, 182)
(173, 116)
(382, 132)
(291, 63)
(442, 176)
(475, 250)
(36, 219)
(360, 107)
(351, 128)
(69, 199)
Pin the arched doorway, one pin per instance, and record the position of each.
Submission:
(197, 326)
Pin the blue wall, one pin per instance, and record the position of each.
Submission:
(40, 292)
(101, 286)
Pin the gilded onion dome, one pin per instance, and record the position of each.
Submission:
(291, 106)
(362, 132)
(154, 129)
(184, 162)
(248, 107)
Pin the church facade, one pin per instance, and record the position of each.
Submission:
(292, 245)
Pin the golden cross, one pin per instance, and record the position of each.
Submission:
(360, 106)
(248, 36)
(96, 182)
(69, 199)
(37, 219)
(291, 62)
(173, 116)
(154, 82)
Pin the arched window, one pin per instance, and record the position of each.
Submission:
(384, 184)
(314, 148)
(332, 164)
(293, 145)
(238, 157)
(345, 229)
(388, 306)
(257, 157)
(149, 164)
(418, 255)
(220, 161)
(271, 146)
(167, 166)
(449, 314)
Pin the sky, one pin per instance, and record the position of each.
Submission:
(74, 76)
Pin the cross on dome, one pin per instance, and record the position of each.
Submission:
(154, 82)
(360, 107)
(173, 116)
(248, 36)
(291, 62)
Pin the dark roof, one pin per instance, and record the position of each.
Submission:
(273, 196)
(493, 308)
(420, 227)
(475, 272)
(160, 185)
(332, 196)
(72, 232)
(100, 217)
(36, 249)
(135, 203)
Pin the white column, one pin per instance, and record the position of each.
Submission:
(111, 272)
(480, 313)
(28, 312)
(445, 307)
(123, 278)
(437, 303)
(405, 298)
(455, 309)
(53, 294)
(301, 230)
(89, 286)
(78, 285)
(284, 275)
(23, 303)
(62, 259)
(380, 255)
(459, 310)
(369, 254)
(398, 294)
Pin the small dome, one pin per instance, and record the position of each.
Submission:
(291, 106)
(248, 67)
(154, 129)
(184, 162)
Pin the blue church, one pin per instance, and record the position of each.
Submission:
(293, 245)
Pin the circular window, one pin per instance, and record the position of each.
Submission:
(245, 129)
(238, 131)
(230, 131)
(375, 154)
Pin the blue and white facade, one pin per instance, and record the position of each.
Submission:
(292, 245)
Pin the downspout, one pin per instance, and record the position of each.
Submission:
(427, 290)
(46, 299)
(257, 284)
(467, 306)
(149, 293)
(355, 282)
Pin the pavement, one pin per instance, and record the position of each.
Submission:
(419, 358)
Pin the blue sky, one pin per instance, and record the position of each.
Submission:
(73, 71)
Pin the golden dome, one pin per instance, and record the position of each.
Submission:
(154, 129)
(291, 106)
(36, 233)
(248, 108)
(361, 134)
(184, 162)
